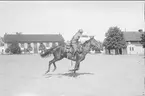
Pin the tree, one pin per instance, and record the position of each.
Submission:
(7, 50)
(114, 40)
(143, 40)
(99, 48)
(14, 48)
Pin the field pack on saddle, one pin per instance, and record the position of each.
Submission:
(69, 48)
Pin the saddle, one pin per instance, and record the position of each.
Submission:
(69, 48)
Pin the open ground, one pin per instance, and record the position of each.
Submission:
(99, 75)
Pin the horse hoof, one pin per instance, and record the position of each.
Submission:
(71, 70)
(46, 72)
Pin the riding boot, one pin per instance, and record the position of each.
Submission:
(74, 54)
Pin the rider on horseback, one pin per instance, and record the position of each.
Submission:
(74, 41)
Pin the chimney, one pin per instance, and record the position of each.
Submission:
(18, 33)
(140, 30)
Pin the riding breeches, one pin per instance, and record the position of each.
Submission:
(75, 47)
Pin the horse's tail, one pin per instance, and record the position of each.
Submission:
(47, 52)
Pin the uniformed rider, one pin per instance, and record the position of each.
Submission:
(75, 40)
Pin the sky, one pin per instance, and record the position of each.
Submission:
(67, 17)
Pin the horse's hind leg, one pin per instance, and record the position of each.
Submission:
(55, 61)
(50, 62)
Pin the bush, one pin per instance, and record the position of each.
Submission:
(7, 50)
(14, 48)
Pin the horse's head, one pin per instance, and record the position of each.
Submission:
(93, 42)
(90, 44)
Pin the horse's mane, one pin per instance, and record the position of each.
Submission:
(86, 42)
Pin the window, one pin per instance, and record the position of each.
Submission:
(132, 48)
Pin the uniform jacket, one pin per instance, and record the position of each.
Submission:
(76, 37)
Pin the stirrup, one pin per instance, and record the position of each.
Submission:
(74, 54)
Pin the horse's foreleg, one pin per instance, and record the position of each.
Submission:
(78, 60)
(75, 69)
(77, 66)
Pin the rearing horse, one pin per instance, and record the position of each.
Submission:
(59, 53)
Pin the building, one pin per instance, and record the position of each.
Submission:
(33, 40)
(133, 44)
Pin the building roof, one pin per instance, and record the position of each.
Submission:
(28, 38)
(132, 36)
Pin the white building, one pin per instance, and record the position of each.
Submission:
(133, 42)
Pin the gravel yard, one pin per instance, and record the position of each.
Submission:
(99, 75)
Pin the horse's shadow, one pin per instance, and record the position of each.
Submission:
(70, 74)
